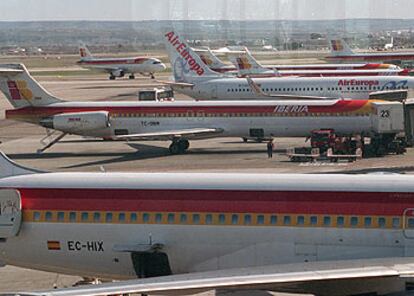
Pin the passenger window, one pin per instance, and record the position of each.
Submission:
(273, 219)
(313, 220)
(286, 220)
(301, 220)
(108, 217)
(121, 217)
(234, 219)
(48, 216)
(183, 218)
(367, 221)
(133, 217)
(209, 219)
(96, 217)
(61, 216)
(395, 222)
(326, 221)
(222, 219)
(381, 222)
(260, 219)
(247, 219)
(340, 221)
(410, 222)
(84, 217)
(72, 216)
(36, 216)
(171, 218)
(354, 221)
(196, 218)
(158, 218)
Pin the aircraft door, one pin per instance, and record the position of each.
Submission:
(408, 223)
(214, 92)
(10, 212)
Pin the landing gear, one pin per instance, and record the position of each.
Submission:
(152, 76)
(132, 76)
(179, 146)
(48, 140)
(111, 77)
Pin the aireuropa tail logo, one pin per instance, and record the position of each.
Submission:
(181, 48)
(18, 90)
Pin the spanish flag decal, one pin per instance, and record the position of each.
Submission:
(53, 245)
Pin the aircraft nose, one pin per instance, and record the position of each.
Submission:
(162, 67)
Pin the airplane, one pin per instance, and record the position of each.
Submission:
(246, 64)
(207, 56)
(181, 121)
(193, 78)
(340, 51)
(182, 233)
(212, 61)
(118, 67)
(390, 45)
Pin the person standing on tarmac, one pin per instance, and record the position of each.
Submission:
(270, 149)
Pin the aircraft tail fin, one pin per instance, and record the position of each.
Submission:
(339, 47)
(246, 63)
(186, 65)
(9, 168)
(84, 52)
(209, 58)
(21, 89)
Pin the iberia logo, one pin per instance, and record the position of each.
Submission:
(337, 45)
(206, 59)
(18, 90)
(82, 52)
(243, 63)
(181, 48)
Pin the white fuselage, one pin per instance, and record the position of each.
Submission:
(236, 119)
(334, 87)
(256, 220)
(116, 66)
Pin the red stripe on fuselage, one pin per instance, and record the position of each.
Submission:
(338, 107)
(304, 202)
(408, 57)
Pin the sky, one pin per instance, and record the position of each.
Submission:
(135, 10)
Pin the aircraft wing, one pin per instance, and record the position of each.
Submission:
(390, 95)
(191, 133)
(258, 91)
(311, 277)
(176, 85)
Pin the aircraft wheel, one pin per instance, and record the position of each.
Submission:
(132, 76)
(152, 76)
(244, 140)
(174, 148)
(112, 77)
(183, 144)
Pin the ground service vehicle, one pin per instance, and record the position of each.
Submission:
(156, 94)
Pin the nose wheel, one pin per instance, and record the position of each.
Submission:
(179, 146)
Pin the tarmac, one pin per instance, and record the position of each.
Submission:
(20, 142)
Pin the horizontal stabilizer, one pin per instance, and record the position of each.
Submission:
(389, 95)
(177, 85)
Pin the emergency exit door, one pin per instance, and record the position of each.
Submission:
(10, 212)
(408, 223)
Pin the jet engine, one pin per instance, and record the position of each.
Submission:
(118, 73)
(79, 122)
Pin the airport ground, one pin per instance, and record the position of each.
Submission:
(20, 141)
